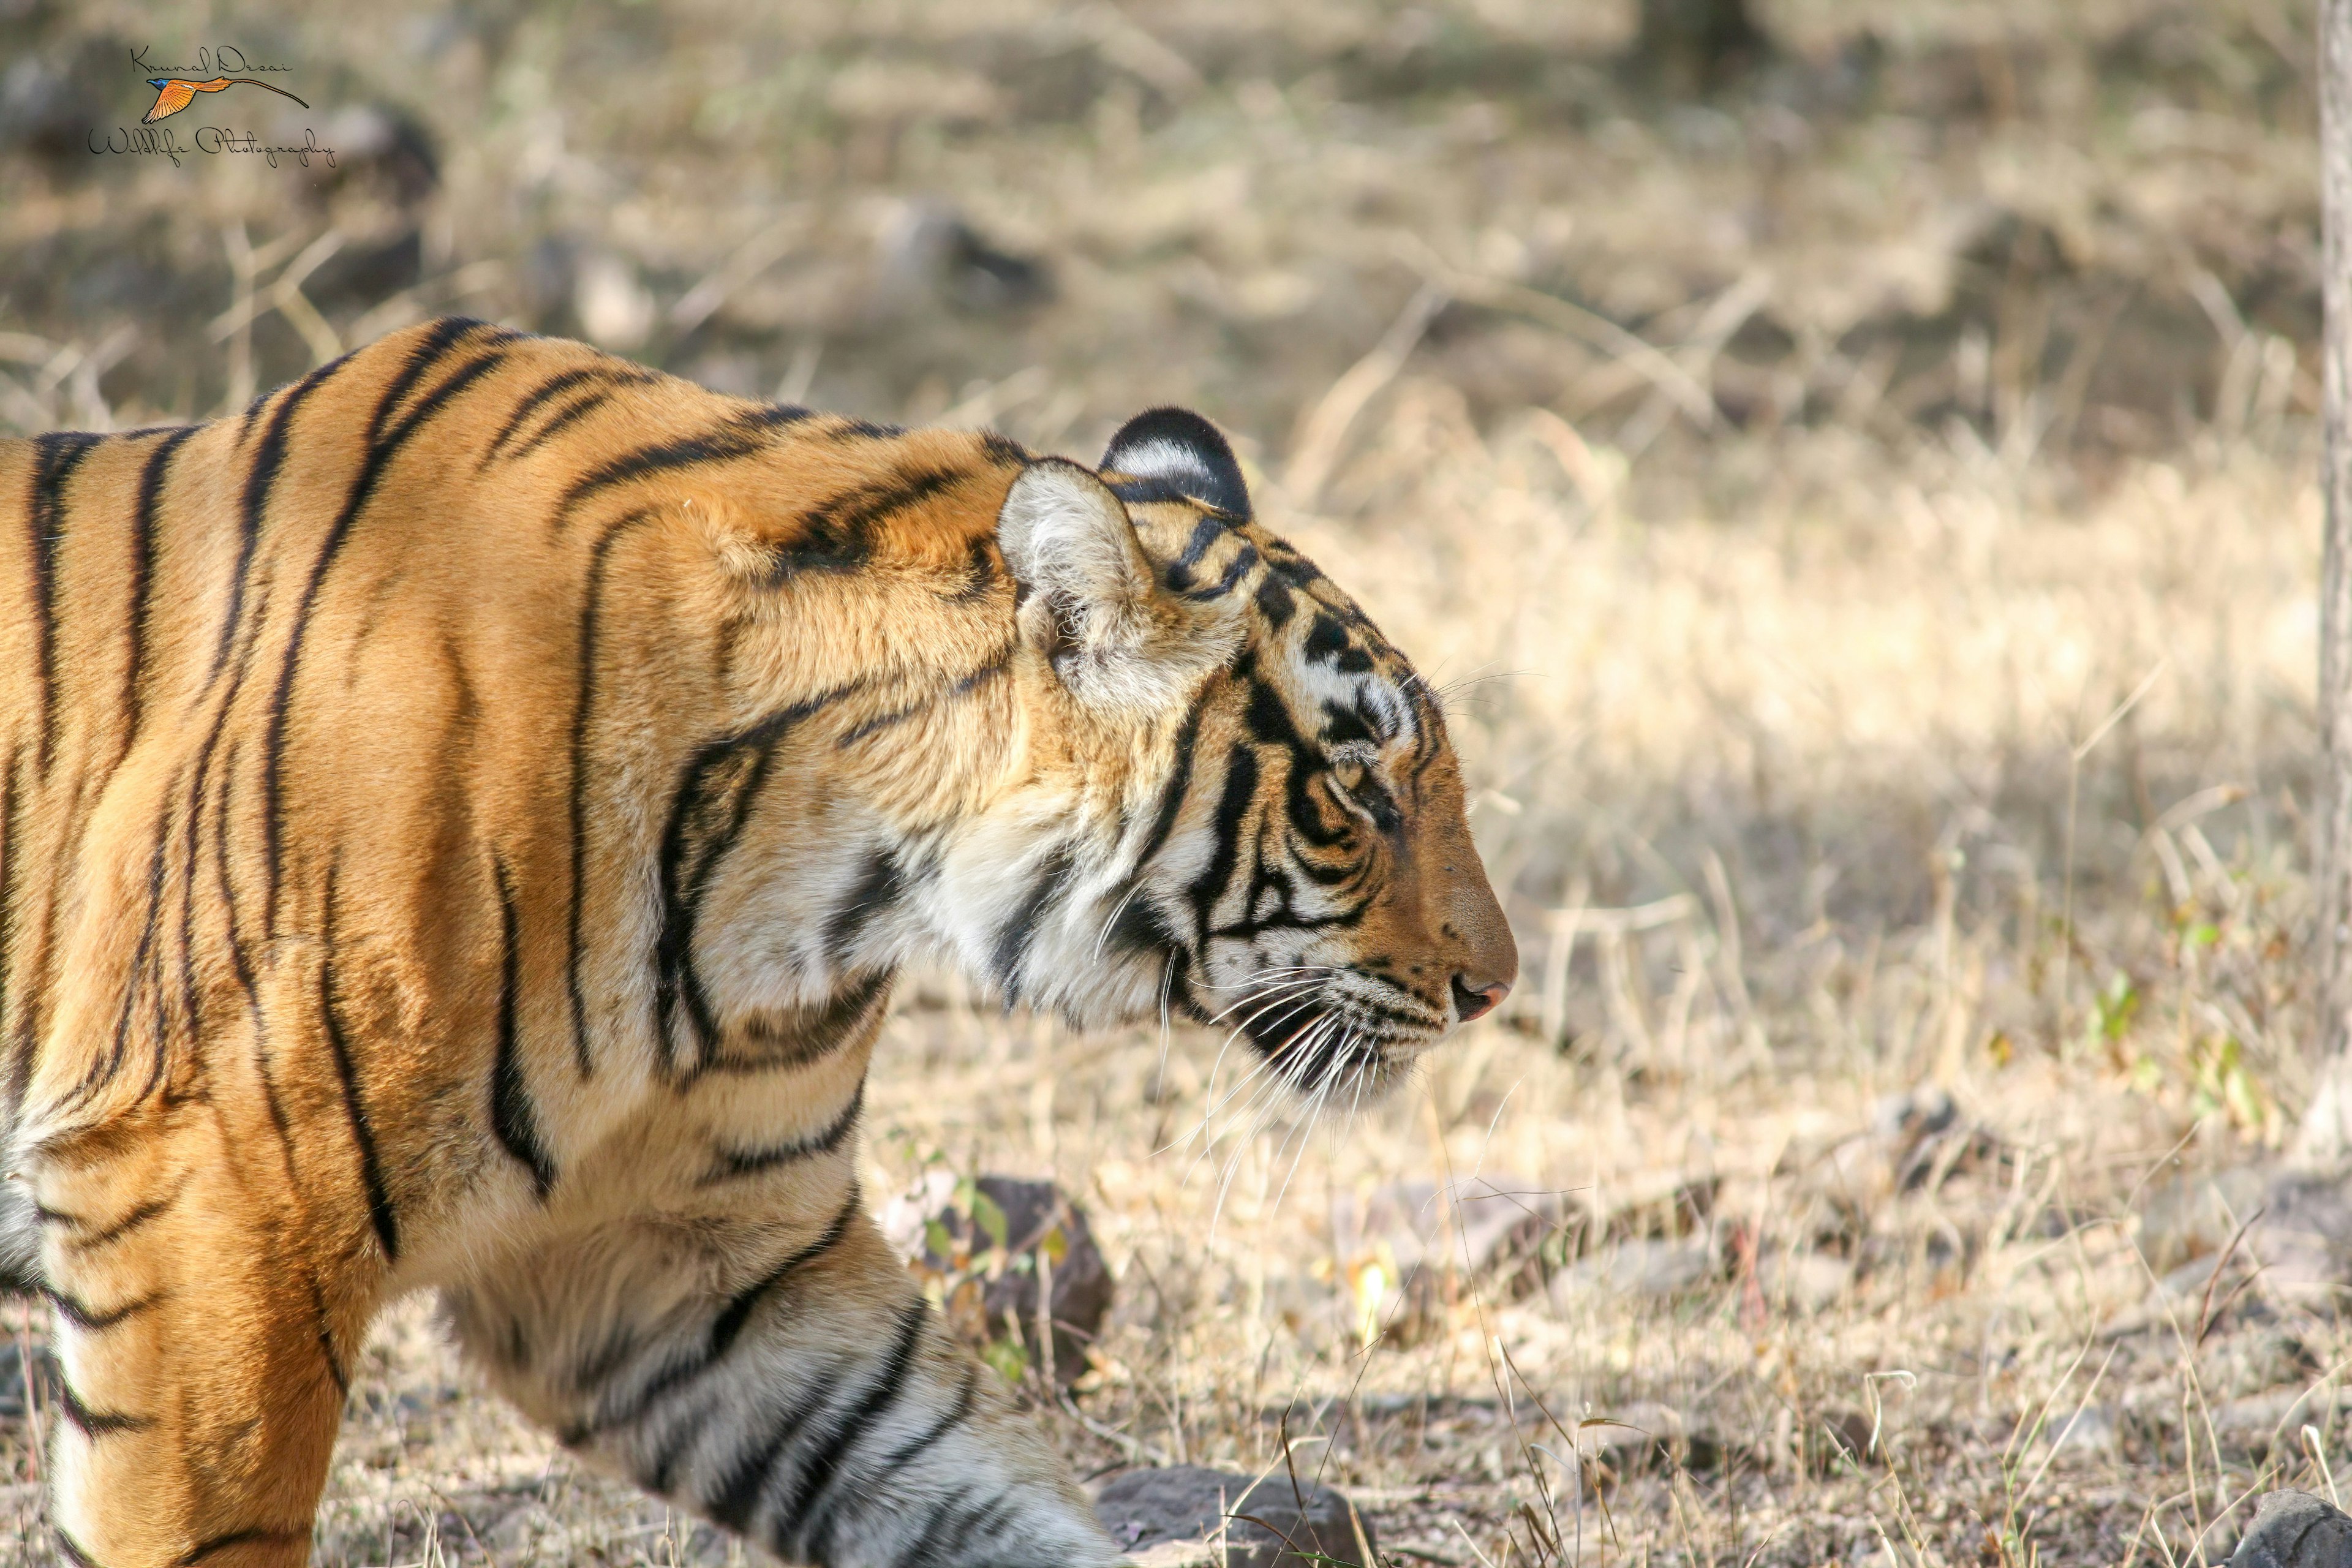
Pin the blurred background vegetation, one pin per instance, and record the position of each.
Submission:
(1850, 462)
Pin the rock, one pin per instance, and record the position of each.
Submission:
(2268, 1422)
(1653, 1269)
(2304, 1238)
(1144, 1509)
(1426, 1238)
(2191, 1216)
(48, 106)
(12, 1378)
(2090, 1429)
(930, 248)
(1643, 1433)
(2296, 1530)
(948, 1231)
(382, 151)
(1803, 1281)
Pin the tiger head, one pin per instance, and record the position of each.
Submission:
(1249, 813)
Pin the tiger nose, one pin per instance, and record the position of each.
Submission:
(1476, 1002)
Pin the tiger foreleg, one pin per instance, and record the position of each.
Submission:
(803, 1393)
(201, 1340)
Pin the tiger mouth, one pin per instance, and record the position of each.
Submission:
(1316, 1040)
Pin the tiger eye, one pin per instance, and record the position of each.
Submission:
(1349, 775)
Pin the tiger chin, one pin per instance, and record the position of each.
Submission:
(460, 820)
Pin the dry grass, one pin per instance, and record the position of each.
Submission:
(1867, 526)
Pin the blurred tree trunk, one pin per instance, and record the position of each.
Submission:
(1696, 46)
(2326, 1133)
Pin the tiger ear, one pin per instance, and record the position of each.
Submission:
(1175, 452)
(1091, 602)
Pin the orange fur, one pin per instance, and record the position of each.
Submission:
(460, 819)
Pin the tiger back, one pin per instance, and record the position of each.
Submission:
(461, 822)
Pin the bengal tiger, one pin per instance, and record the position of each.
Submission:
(460, 821)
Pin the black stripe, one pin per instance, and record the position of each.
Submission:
(975, 1521)
(1294, 569)
(381, 449)
(534, 399)
(511, 1116)
(729, 1324)
(725, 1329)
(908, 1451)
(735, 1164)
(268, 456)
(12, 856)
(965, 686)
(1004, 451)
(1232, 809)
(152, 475)
(581, 407)
(1205, 533)
(739, 437)
(234, 942)
(1159, 488)
(56, 456)
(225, 881)
(1235, 569)
(806, 1035)
(335, 1372)
(823, 1467)
(673, 1445)
(572, 413)
(95, 1423)
(157, 867)
(73, 1549)
(379, 1209)
(879, 886)
(1275, 603)
(140, 1215)
(846, 429)
(776, 415)
(1141, 927)
(746, 1479)
(593, 1370)
(1327, 642)
(241, 1537)
(598, 558)
(983, 562)
(91, 1319)
(924, 1553)
(838, 535)
(707, 815)
(1013, 941)
(1180, 781)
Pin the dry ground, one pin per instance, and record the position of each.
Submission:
(1865, 519)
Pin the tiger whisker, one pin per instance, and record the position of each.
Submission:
(1103, 935)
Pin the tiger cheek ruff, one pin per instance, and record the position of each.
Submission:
(459, 823)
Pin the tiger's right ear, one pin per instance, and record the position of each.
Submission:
(1091, 602)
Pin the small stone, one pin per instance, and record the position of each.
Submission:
(1143, 1509)
(2296, 1530)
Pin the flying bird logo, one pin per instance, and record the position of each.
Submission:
(173, 93)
